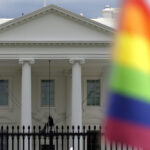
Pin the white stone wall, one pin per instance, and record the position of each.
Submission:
(10, 115)
(61, 73)
(53, 27)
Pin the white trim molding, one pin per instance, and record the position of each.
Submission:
(80, 60)
(30, 60)
(56, 43)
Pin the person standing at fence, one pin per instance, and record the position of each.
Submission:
(128, 112)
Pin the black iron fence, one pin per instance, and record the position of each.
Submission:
(57, 138)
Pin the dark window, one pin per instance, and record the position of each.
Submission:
(3, 92)
(47, 92)
(93, 92)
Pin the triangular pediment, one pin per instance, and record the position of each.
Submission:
(53, 23)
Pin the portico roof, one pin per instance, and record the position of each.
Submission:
(54, 33)
(58, 10)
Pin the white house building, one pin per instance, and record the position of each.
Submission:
(79, 51)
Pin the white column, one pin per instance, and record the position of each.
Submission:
(26, 102)
(76, 114)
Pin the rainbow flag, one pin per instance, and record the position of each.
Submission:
(128, 112)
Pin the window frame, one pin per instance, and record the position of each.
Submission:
(85, 91)
(40, 103)
(9, 94)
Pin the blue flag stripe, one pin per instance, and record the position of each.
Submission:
(128, 109)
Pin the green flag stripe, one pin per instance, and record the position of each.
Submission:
(131, 82)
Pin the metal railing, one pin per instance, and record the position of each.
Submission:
(56, 138)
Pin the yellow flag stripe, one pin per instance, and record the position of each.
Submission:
(132, 50)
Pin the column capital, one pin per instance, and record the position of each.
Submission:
(29, 60)
(79, 60)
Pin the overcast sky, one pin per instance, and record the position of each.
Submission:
(89, 8)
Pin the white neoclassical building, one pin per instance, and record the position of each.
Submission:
(74, 81)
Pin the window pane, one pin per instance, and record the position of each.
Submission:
(47, 92)
(3, 92)
(93, 92)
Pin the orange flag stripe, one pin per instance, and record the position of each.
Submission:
(135, 18)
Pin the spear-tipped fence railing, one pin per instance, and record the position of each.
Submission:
(56, 138)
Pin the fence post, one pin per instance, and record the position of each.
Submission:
(56, 137)
(100, 137)
(39, 137)
(7, 137)
(67, 137)
(51, 136)
(18, 140)
(26, 143)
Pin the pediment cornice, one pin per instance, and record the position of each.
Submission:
(57, 10)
